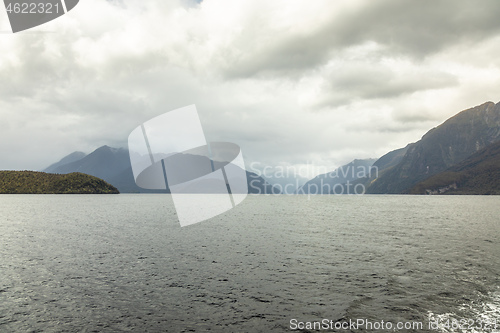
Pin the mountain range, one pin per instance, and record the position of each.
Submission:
(441, 148)
(113, 166)
(460, 156)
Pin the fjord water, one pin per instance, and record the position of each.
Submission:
(117, 263)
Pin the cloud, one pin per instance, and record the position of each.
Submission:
(405, 28)
(387, 79)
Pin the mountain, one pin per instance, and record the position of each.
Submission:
(399, 171)
(113, 165)
(105, 162)
(478, 174)
(109, 164)
(258, 185)
(333, 182)
(32, 182)
(390, 159)
(77, 155)
(450, 143)
(380, 166)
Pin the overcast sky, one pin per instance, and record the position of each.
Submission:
(291, 81)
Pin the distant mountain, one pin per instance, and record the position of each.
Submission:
(105, 162)
(113, 165)
(450, 143)
(331, 182)
(77, 155)
(110, 164)
(478, 174)
(382, 165)
(32, 182)
(258, 185)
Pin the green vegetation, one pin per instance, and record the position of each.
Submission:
(32, 182)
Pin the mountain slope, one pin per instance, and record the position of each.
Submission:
(391, 159)
(478, 174)
(109, 164)
(73, 157)
(105, 162)
(258, 185)
(326, 183)
(32, 182)
(452, 142)
(382, 165)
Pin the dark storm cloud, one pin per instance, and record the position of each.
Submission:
(356, 82)
(421, 28)
(408, 28)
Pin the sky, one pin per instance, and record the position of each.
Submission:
(295, 83)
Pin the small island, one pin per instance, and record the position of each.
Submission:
(33, 182)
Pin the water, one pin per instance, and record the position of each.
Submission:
(122, 263)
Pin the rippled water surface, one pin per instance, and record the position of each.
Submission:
(122, 263)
